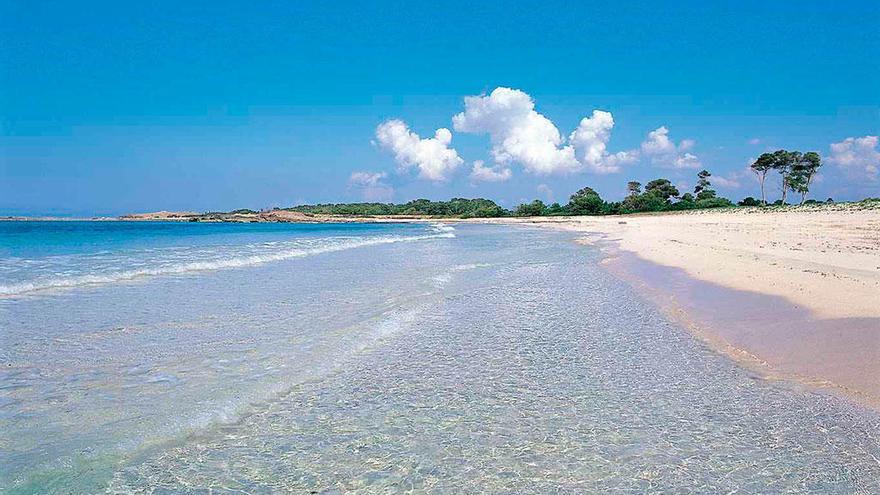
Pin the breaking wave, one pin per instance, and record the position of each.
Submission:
(261, 254)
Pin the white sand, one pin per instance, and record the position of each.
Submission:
(824, 259)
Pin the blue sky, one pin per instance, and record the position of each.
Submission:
(114, 107)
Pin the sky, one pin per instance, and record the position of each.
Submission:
(115, 107)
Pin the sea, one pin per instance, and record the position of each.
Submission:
(152, 357)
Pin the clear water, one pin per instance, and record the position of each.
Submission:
(175, 358)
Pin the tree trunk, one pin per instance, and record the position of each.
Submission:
(763, 197)
(806, 189)
(784, 189)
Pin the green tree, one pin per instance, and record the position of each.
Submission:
(703, 188)
(761, 167)
(634, 187)
(802, 173)
(585, 202)
(750, 201)
(783, 162)
(702, 181)
(662, 188)
(646, 201)
(534, 209)
(714, 203)
(555, 209)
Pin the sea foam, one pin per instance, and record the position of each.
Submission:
(260, 254)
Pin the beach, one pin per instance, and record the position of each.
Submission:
(802, 296)
(425, 357)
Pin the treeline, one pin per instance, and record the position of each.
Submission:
(658, 195)
(796, 170)
(455, 207)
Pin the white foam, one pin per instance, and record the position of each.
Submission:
(332, 245)
(442, 227)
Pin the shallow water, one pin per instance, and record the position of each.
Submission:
(486, 359)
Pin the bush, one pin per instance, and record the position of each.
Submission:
(714, 203)
(585, 202)
(533, 209)
(749, 201)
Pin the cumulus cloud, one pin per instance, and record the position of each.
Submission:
(590, 140)
(497, 173)
(665, 153)
(857, 157)
(371, 185)
(518, 133)
(433, 157)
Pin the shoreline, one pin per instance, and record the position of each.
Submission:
(796, 291)
(791, 295)
(790, 354)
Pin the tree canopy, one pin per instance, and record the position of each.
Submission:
(796, 171)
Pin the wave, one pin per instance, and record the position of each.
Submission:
(341, 244)
(441, 227)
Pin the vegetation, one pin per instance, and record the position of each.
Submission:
(659, 195)
(796, 171)
(750, 201)
(456, 207)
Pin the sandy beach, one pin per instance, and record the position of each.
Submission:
(796, 291)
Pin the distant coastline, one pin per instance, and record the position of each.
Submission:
(474, 209)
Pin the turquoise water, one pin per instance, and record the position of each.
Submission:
(175, 358)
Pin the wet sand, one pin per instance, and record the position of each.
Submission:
(768, 334)
(794, 293)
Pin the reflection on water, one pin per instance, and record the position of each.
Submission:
(498, 361)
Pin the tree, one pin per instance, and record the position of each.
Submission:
(702, 181)
(714, 203)
(585, 202)
(802, 173)
(661, 188)
(634, 187)
(783, 162)
(702, 189)
(750, 201)
(762, 166)
(555, 209)
(533, 209)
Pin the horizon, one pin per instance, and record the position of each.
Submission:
(216, 108)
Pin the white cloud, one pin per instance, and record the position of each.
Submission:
(590, 140)
(732, 181)
(665, 153)
(518, 133)
(687, 160)
(433, 157)
(546, 191)
(481, 173)
(371, 185)
(858, 157)
(754, 141)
